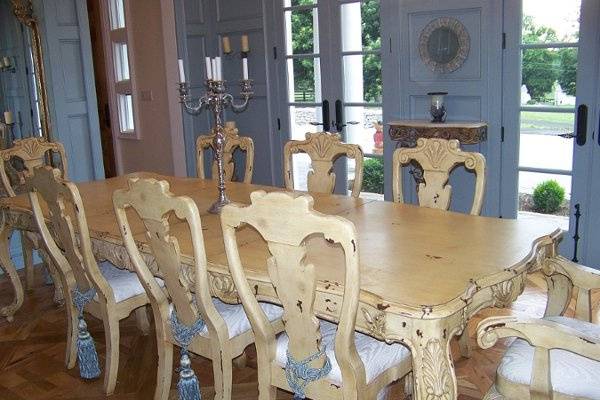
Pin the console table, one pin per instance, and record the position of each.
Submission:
(406, 132)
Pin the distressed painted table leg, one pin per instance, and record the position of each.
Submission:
(560, 286)
(433, 368)
(9, 268)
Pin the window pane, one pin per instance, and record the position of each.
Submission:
(368, 132)
(117, 14)
(304, 80)
(301, 118)
(551, 21)
(126, 112)
(549, 76)
(540, 146)
(366, 15)
(292, 3)
(121, 59)
(302, 33)
(527, 183)
(373, 170)
(362, 78)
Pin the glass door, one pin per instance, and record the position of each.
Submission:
(333, 81)
(549, 49)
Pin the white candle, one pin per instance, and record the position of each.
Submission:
(8, 118)
(215, 73)
(209, 74)
(245, 67)
(6, 61)
(219, 68)
(181, 71)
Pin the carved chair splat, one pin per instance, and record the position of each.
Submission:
(233, 141)
(437, 158)
(324, 149)
(227, 332)
(555, 357)
(30, 153)
(287, 222)
(67, 241)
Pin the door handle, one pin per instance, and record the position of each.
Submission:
(598, 131)
(326, 124)
(581, 126)
(569, 135)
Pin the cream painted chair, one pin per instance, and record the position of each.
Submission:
(30, 153)
(116, 293)
(554, 357)
(343, 364)
(233, 142)
(323, 148)
(225, 330)
(437, 158)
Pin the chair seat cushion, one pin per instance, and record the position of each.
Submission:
(125, 284)
(571, 374)
(377, 356)
(236, 319)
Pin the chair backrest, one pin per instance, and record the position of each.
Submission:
(155, 205)
(286, 221)
(323, 148)
(232, 142)
(66, 238)
(437, 158)
(32, 153)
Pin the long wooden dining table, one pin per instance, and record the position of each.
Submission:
(424, 272)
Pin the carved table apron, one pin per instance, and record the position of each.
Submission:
(400, 279)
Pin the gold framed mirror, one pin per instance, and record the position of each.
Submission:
(23, 10)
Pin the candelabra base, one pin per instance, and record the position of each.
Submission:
(218, 205)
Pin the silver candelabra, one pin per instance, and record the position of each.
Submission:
(217, 100)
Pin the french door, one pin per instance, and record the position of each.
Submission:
(331, 79)
(549, 107)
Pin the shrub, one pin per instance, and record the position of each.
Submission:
(548, 196)
(373, 175)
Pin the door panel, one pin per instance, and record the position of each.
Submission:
(473, 89)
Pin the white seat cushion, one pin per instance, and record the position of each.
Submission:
(235, 317)
(125, 284)
(377, 356)
(571, 374)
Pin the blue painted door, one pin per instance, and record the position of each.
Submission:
(550, 103)
(473, 89)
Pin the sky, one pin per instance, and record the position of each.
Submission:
(561, 15)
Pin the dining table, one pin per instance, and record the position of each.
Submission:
(423, 272)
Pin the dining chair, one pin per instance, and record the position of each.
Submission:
(437, 158)
(102, 290)
(16, 164)
(233, 141)
(555, 357)
(313, 357)
(218, 331)
(323, 148)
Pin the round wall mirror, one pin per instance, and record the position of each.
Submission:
(444, 45)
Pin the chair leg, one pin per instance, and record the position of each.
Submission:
(27, 246)
(165, 369)
(59, 298)
(141, 316)
(112, 335)
(408, 386)
(464, 345)
(72, 332)
(223, 371)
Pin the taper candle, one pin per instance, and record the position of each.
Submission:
(245, 45)
(226, 45)
(219, 68)
(245, 67)
(8, 118)
(215, 73)
(181, 71)
(209, 73)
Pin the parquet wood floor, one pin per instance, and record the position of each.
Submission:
(32, 352)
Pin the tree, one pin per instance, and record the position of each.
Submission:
(539, 65)
(567, 75)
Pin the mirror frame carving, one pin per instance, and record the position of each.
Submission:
(464, 45)
(23, 10)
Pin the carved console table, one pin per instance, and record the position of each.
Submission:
(406, 132)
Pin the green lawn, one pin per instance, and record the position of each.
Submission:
(532, 121)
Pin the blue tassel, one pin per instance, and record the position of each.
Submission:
(87, 356)
(188, 385)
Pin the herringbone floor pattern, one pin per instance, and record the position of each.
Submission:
(32, 355)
